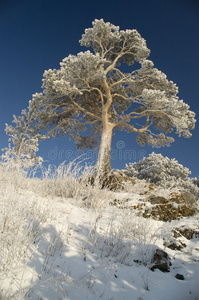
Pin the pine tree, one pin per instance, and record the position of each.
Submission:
(90, 96)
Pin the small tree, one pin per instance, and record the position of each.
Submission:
(23, 142)
(90, 96)
(164, 172)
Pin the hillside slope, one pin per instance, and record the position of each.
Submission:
(57, 247)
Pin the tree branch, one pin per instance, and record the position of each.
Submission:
(106, 51)
(94, 135)
(132, 128)
(109, 96)
(118, 71)
(85, 111)
(123, 80)
(112, 66)
(95, 89)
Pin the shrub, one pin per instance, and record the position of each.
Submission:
(164, 172)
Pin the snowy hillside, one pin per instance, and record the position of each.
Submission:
(61, 239)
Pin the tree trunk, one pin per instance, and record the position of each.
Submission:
(103, 165)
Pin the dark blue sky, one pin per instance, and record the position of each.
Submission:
(37, 35)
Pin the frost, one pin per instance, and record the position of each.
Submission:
(90, 94)
(164, 172)
(60, 239)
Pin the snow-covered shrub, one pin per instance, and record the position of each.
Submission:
(164, 172)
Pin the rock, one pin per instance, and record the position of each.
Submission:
(179, 276)
(183, 198)
(120, 203)
(179, 234)
(161, 261)
(175, 245)
(117, 181)
(161, 212)
(137, 261)
(157, 200)
(188, 232)
(178, 205)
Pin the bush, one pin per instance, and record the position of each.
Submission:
(164, 172)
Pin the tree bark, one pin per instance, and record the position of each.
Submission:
(103, 165)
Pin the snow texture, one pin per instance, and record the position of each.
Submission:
(80, 247)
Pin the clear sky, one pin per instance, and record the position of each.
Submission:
(37, 35)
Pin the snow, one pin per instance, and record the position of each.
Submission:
(60, 248)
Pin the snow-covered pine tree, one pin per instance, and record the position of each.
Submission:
(90, 96)
(23, 142)
(163, 171)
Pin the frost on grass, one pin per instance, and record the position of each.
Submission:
(56, 244)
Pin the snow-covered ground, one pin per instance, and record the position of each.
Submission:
(58, 247)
